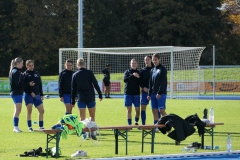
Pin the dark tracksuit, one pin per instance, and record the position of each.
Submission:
(131, 83)
(64, 82)
(158, 80)
(144, 77)
(83, 84)
(34, 76)
(16, 82)
(106, 78)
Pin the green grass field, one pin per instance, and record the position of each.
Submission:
(111, 112)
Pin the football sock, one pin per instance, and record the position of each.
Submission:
(40, 123)
(15, 121)
(143, 117)
(29, 123)
(129, 121)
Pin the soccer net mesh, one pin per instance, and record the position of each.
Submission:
(181, 62)
(227, 80)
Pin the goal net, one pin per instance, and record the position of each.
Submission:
(226, 82)
(181, 62)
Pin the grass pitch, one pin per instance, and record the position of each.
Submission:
(112, 112)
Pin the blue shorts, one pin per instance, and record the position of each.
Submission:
(132, 99)
(144, 100)
(88, 104)
(158, 103)
(30, 100)
(17, 98)
(66, 98)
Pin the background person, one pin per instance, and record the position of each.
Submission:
(16, 89)
(64, 85)
(33, 94)
(144, 84)
(106, 80)
(158, 87)
(132, 91)
(83, 84)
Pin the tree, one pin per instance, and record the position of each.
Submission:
(6, 8)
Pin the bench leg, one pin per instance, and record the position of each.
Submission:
(144, 134)
(124, 134)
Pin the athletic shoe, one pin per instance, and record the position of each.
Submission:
(136, 123)
(157, 130)
(41, 128)
(94, 137)
(85, 135)
(79, 154)
(30, 129)
(17, 130)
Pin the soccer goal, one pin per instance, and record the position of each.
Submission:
(181, 62)
(226, 82)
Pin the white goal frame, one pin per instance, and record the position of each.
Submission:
(191, 53)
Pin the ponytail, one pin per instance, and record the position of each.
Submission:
(11, 66)
(14, 63)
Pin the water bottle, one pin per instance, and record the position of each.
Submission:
(188, 150)
(211, 115)
(229, 143)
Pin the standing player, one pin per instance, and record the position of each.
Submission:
(106, 80)
(64, 85)
(16, 90)
(158, 87)
(132, 91)
(33, 95)
(83, 84)
(144, 84)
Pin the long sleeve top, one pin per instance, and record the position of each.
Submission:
(144, 77)
(34, 76)
(158, 80)
(131, 82)
(16, 82)
(106, 73)
(83, 84)
(64, 82)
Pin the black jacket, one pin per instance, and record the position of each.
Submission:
(131, 82)
(196, 121)
(158, 80)
(106, 73)
(144, 77)
(83, 84)
(16, 82)
(34, 76)
(182, 128)
(64, 82)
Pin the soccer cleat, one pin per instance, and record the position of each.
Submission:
(30, 129)
(157, 130)
(41, 128)
(136, 123)
(85, 136)
(79, 154)
(17, 130)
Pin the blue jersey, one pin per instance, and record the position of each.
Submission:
(158, 80)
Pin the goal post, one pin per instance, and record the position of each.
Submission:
(181, 62)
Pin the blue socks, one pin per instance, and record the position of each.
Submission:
(129, 121)
(40, 123)
(143, 117)
(136, 120)
(155, 121)
(15, 121)
(29, 123)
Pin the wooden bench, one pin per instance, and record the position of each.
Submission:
(123, 132)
